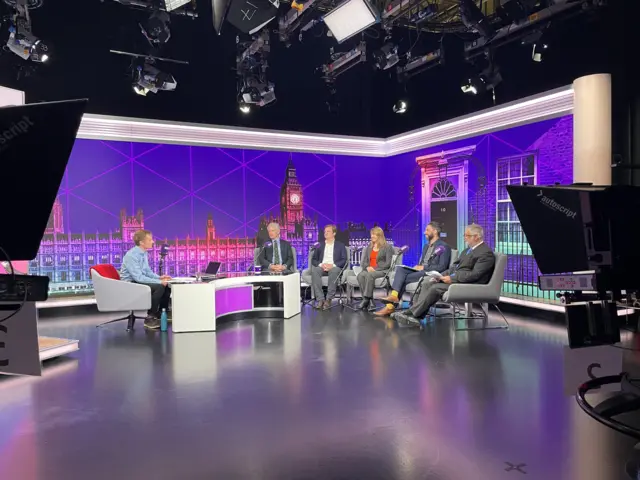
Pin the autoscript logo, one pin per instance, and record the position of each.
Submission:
(15, 129)
(553, 205)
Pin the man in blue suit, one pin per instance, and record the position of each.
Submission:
(436, 255)
(328, 260)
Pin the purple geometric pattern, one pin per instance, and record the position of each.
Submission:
(210, 203)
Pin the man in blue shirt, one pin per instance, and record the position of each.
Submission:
(135, 268)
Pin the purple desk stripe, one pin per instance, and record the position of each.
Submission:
(234, 299)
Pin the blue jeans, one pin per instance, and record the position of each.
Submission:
(403, 277)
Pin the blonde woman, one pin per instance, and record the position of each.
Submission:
(376, 261)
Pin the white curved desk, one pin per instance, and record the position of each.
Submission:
(198, 306)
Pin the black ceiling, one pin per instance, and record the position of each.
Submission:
(81, 32)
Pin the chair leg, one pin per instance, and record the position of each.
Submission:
(304, 294)
(485, 320)
(131, 320)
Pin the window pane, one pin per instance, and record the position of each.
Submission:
(503, 211)
(502, 191)
(503, 170)
(503, 232)
(528, 166)
(515, 181)
(514, 170)
(529, 180)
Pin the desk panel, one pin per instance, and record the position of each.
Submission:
(237, 298)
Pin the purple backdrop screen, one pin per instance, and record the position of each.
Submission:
(211, 203)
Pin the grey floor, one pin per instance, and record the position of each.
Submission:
(327, 395)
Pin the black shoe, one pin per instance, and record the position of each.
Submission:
(364, 304)
(403, 319)
(152, 323)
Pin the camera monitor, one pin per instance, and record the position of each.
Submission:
(580, 228)
(35, 143)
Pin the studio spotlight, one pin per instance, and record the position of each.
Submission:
(539, 43)
(386, 57)
(147, 78)
(157, 28)
(28, 47)
(21, 40)
(487, 80)
(473, 18)
(400, 107)
(244, 108)
(538, 51)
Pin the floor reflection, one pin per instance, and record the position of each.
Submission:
(334, 394)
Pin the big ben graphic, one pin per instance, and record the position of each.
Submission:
(291, 205)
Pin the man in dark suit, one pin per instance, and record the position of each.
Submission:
(328, 260)
(436, 256)
(475, 265)
(278, 257)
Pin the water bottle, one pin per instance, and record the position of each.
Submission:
(163, 320)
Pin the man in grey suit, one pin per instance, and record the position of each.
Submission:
(475, 265)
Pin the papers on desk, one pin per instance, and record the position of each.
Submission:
(182, 280)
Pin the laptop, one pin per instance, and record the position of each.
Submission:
(211, 270)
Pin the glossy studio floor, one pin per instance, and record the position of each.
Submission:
(326, 395)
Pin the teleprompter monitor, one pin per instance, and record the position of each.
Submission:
(580, 228)
(35, 144)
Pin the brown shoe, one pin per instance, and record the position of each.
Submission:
(327, 305)
(391, 299)
(385, 311)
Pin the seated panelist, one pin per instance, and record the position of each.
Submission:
(277, 257)
(436, 256)
(375, 263)
(475, 265)
(135, 268)
(328, 260)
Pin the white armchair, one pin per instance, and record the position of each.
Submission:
(114, 295)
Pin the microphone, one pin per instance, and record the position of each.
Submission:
(438, 251)
(164, 250)
(257, 254)
(403, 249)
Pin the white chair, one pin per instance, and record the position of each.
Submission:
(483, 295)
(342, 278)
(380, 283)
(114, 295)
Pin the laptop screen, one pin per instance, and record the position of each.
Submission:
(212, 268)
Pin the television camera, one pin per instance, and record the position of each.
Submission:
(584, 230)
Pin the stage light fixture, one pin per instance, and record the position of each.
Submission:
(157, 29)
(28, 47)
(387, 56)
(487, 80)
(473, 18)
(22, 41)
(350, 18)
(147, 78)
(171, 5)
(538, 51)
(244, 108)
(400, 107)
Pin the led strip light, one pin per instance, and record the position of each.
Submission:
(528, 110)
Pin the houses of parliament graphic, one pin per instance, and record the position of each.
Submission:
(67, 257)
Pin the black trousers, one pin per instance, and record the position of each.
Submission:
(430, 294)
(160, 296)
